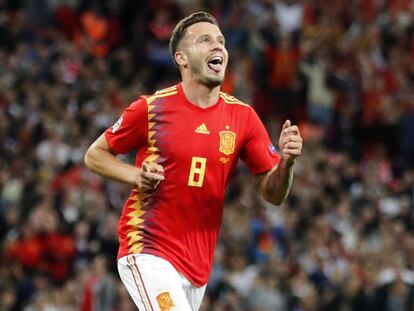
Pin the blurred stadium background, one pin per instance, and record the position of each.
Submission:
(342, 69)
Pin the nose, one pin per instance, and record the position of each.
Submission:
(216, 46)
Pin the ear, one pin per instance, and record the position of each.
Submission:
(180, 58)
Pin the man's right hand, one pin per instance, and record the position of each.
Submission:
(149, 176)
(102, 160)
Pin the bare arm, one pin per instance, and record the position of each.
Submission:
(275, 184)
(102, 160)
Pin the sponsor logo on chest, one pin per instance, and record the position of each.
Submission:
(202, 129)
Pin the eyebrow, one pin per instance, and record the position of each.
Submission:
(220, 36)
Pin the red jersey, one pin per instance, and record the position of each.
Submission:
(198, 149)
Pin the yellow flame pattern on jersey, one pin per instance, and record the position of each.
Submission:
(140, 198)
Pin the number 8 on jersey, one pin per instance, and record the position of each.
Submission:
(197, 172)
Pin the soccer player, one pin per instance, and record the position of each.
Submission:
(188, 139)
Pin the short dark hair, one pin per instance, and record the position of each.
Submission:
(179, 30)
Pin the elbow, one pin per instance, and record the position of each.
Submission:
(95, 156)
(87, 159)
(278, 201)
(272, 199)
(275, 201)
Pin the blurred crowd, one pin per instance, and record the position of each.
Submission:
(342, 70)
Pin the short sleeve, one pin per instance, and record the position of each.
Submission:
(131, 129)
(258, 152)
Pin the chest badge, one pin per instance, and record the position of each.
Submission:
(227, 141)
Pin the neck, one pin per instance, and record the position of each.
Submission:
(199, 94)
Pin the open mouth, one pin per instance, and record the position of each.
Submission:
(215, 63)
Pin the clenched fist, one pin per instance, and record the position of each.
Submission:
(290, 142)
(149, 176)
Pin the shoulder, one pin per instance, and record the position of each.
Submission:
(146, 103)
(167, 92)
(232, 104)
(233, 101)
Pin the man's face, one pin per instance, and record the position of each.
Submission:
(204, 54)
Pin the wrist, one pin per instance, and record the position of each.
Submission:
(133, 176)
(288, 163)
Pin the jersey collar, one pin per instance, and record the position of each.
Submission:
(194, 106)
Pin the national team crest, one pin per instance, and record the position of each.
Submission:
(165, 302)
(227, 142)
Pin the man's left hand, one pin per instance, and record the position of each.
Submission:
(290, 143)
